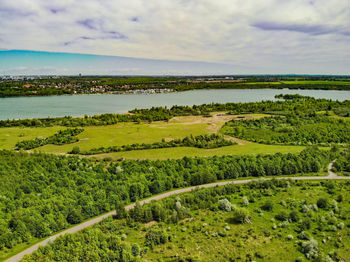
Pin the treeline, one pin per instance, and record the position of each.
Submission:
(307, 105)
(42, 194)
(312, 129)
(96, 120)
(342, 163)
(201, 141)
(292, 97)
(62, 137)
(15, 88)
(94, 244)
(164, 114)
(264, 85)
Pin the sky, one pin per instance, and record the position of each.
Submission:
(246, 36)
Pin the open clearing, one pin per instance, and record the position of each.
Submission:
(130, 133)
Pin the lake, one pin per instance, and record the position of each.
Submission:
(79, 105)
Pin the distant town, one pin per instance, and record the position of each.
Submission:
(38, 85)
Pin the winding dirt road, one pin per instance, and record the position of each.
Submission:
(98, 219)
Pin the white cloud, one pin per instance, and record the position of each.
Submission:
(277, 36)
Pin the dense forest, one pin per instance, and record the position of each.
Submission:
(201, 141)
(292, 129)
(310, 223)
(307, 105)
(342, 164)
(42, 194)
(62, 137)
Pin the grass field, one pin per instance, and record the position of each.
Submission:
(119, 134)
(129, 133)
(10, 136)
(179, 152)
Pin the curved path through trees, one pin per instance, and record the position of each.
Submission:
(79, 227)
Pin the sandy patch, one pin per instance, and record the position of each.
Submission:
(150, 224)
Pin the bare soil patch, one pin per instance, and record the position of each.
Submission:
(150, 224)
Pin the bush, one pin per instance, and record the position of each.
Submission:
(283, 216)
(340, 225)
(135, 250)
(310, 248)
(305, 209)
(267, 206)
(75, 150)
(154, 238)
(294, 216)
(322, 203)
(290, 237)
(225, 204)
(340, 198)
(305, 224)
(245, 201)
(304, 235)
(241, 215)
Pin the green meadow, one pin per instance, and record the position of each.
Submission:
(179, 152)
(130, 133)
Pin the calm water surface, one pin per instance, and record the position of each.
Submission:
(79, 105)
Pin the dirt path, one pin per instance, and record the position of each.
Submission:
(98, 219)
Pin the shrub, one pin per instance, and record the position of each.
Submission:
(305, 209)
(284, 224)
(310, 248)
(245, 201)
(154, 238)
(322, 203)
(225, 204)
(267, 206)
(305, 224)
(290, 237)
(282, 216)
(75, 150)
(259, 255)
(314, 207)
(340, 198)
(304, 235)
(340, 225)
(120, 210)
(334, 205)
(241, 215)
(294, 216)
(135, 250)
